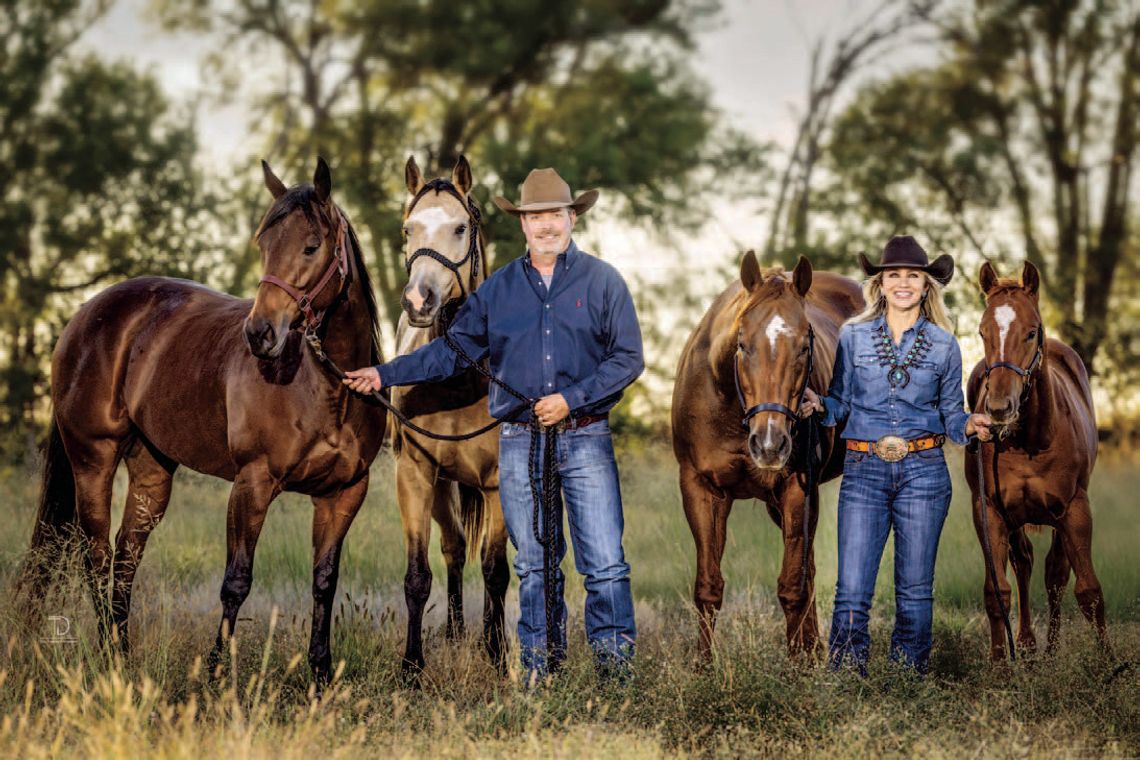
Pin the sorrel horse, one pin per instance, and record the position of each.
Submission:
(1038, 467)
(762, 341)
(161, 372)
(444, 254)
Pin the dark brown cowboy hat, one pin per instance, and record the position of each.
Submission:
(543, 190)
(904, 251)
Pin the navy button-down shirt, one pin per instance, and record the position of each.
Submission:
(579, 338)
(930, 404)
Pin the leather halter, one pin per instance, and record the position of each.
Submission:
(1026, 373)
(339, 264)
(474, 217)
(752, 411)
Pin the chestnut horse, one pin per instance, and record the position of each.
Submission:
(161, 372)
(759, 345)
(444, 254)
(1038, 467)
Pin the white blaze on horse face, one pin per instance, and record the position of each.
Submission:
(1004, 316)
(432, 219)
(768, 442)
(776, 327)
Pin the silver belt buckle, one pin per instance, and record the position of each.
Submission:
(890, 448)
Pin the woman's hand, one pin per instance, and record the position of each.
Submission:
(811, 403)
(363, 380)
(979, 425)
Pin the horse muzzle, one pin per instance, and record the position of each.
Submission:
(770, 447)
(265, 339)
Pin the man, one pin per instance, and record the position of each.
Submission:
(558, 325)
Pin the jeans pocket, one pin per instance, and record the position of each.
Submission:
(599, 428)
(853, 458)
(514, 429)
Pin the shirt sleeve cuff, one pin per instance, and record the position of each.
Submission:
(575, 397)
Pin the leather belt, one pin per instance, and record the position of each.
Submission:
(581, 421)
(892, 448)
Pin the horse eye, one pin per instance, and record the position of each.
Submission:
(1032, 334)
(311, 249)
(405, 231)
(461, 229)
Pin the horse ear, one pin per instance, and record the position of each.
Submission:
(461, 175)
(750, 271)
(275, 186)
(987, 277)
(801, 275)
(1030, 278)
(412, 177)
(322, 180)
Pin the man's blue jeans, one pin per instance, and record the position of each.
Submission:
(913, 496)
(593, 506)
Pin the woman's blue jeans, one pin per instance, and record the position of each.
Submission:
(913, 497)
(593, 507)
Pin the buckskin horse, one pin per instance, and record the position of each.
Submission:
(444, 256)
(162, 373)
(1037, 469)
(735, 430)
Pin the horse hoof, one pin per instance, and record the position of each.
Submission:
(410, 672)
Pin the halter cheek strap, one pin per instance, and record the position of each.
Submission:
(752, 411)
(338, 265)
(472, 255)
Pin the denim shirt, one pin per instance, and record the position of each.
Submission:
(579, 337)
(930, 404)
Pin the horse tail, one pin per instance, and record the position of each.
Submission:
(56, 515)
(472, 507)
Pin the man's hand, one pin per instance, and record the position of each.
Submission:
(363, 380)
(811, 403)
(551, 410)
(979, 424)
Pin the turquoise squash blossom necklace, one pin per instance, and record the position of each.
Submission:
(898, 374)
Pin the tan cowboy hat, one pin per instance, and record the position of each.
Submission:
(543, 190)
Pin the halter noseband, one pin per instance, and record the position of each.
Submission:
(1026, 373)
(752, 411)
(338, 264)
(472, 255)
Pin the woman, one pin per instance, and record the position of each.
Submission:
(898, 384)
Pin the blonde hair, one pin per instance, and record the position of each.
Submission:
(933, 307)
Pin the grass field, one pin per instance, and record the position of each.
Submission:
(60, 698)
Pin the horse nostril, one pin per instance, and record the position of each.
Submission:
(429, 299)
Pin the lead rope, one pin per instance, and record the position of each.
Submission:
(547, 501)
(987, 549)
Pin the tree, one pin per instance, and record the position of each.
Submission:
(602, 90)
(99, 184)
(1029, 124)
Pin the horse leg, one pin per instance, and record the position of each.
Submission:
(1056, 579)
(453, 544)
(415, 491)
(707, 513)
(798, 603)
(992, 522)
(496, 578)
(1021, 557)
(250, 496)
(94, 462)
(332, 517)
(1077, 528)
(148, 494)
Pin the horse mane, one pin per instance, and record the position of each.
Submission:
(305, 199)
(1005, 285)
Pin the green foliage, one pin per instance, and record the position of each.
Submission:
(99, 184)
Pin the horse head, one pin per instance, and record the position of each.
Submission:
(442, 242)
(1014, 338)
(304, 245)
(773, 359)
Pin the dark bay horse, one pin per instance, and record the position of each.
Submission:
(444, 253)
(160, 373)
(1038, 467)
(756, 345)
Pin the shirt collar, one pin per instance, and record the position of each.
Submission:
(881, 321)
